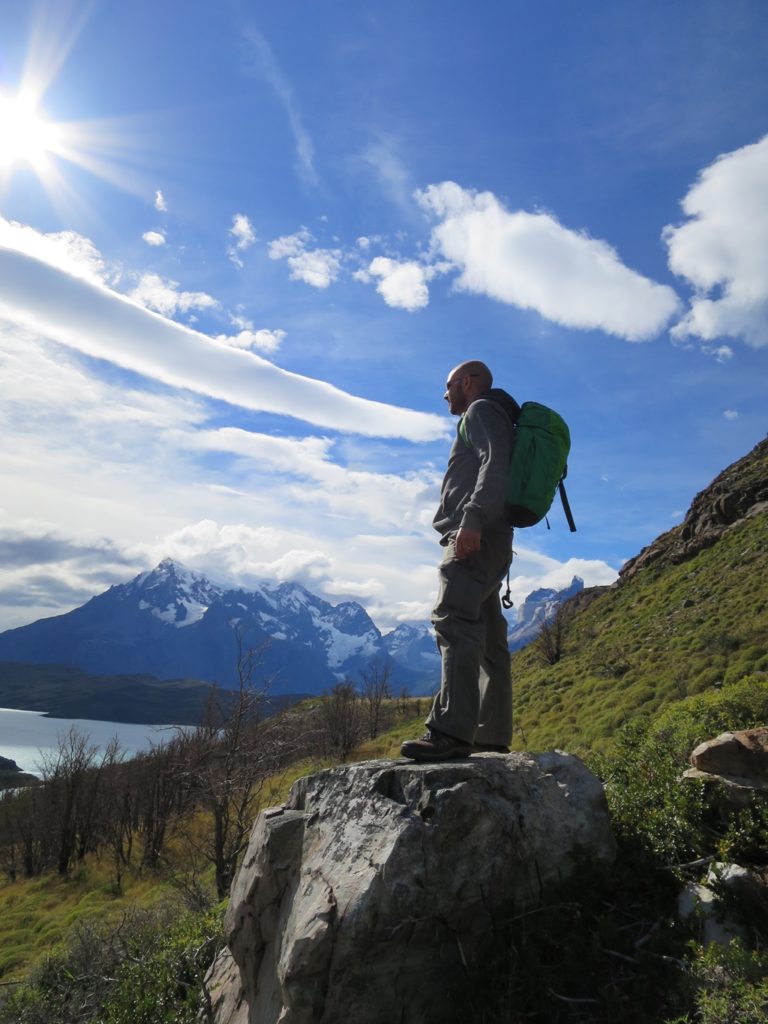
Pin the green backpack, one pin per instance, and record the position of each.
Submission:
(538, 464)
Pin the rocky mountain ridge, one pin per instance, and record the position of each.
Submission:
(738, 492)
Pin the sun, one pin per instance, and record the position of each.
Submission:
(25, 135)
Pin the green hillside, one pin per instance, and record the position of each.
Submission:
(689, 614)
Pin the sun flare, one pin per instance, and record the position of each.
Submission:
(25, 135)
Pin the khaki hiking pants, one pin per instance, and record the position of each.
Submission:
(475, 699)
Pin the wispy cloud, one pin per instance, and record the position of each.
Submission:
(383, 159)
(243, 237)
(530, 260)
(722, 248)
(88, 316)
(270, 68)
(154, 238)
(160, 203)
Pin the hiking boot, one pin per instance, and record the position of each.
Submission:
(489, 748)
(435, 746)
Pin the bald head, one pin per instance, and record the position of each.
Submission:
(466, 382)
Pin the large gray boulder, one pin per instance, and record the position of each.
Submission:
(373, 894)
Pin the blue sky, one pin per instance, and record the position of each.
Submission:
(241, 246)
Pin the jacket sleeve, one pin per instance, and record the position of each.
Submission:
(489, 432)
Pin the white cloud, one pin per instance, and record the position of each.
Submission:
(75, 254)
(244, 236)
(263, 339)
(290, 245)
(160, 203)
(722, 249)
(167, 298)
(401, 284)
(93, 319)
(534, 570)
(154, 238)
(530, 260)
(317, 267)
(730, 414)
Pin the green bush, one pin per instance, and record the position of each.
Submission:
(730, 986)
(648, 804)
(685, 724)
(148, 969)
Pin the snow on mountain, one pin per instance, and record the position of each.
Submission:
(539, 607)
(173, 622)
(414, 644)
(174, 594)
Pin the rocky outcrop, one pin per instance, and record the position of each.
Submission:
(736, 760)
(739, 491)
(373, 894)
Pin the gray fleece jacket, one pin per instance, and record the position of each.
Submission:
(475, 481)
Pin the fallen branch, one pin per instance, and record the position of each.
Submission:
(622, 956)
(572, 999)
(691, 864)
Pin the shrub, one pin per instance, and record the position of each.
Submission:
(731, 985)
(147, 970)
(740, 705)
(648, 804)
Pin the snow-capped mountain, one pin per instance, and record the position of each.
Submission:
(414, 644)
(173, 622)
(540, 606)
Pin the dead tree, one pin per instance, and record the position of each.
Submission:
(375, 692)
(227, 762)
(549, 642)
(341, 721)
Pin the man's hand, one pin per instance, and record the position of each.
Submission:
(467, 542)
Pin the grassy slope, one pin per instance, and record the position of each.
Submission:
(37, 914)
(668, 632)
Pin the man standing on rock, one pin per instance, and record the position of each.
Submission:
(473, 710)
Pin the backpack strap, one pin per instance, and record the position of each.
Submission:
(463, 431)
(566, 507)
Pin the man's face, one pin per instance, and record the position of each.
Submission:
(455, 393)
